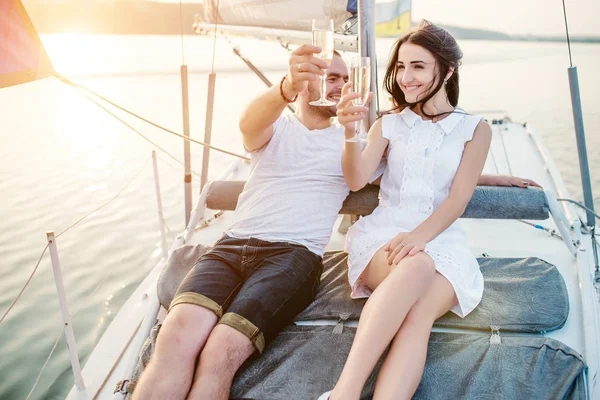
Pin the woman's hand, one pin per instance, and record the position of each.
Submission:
(506, 180)
(348, 114)
(403, 244)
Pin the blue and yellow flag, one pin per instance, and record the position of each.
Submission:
(392, 17)
(22, 55)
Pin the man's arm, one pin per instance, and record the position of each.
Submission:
(256, 123)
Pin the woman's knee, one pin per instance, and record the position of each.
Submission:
(419, 267)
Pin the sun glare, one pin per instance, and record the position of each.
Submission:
(87, 135)
(76, 53)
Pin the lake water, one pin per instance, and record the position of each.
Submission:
(62, 157)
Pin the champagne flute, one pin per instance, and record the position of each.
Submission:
(360, 77)
(322, 36)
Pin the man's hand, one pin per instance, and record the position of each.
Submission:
(303, 67)
(506, 180)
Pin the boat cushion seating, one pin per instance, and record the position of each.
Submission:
(490, 202)
(521, 294)
(302, 362)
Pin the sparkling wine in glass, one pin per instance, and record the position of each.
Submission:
(360, 77)
(322, 36)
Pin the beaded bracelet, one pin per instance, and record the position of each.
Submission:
(283, 95)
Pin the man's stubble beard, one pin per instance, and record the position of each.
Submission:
(323, 111)
(320, 111)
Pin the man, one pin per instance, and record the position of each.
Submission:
(267, 266)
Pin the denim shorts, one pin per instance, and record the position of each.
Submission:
(254, 286)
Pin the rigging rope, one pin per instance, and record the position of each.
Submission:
(504, 148)
(26, 284)
(45, 364)
(107, 203)
(552, 232)
(580, 205)
(71, 226)
(78, 87)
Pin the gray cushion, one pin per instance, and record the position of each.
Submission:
(302, 362)
(521, 294)
(178, 265)
(491, 202)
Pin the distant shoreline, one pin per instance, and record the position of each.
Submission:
(481, 34)
(154, 18)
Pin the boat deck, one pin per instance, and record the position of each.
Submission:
(514, 151)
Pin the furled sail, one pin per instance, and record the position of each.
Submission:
(278, 14)
(22, 55)
(392, 16)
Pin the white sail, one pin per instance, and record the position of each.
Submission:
(392, 16)
(280, 14)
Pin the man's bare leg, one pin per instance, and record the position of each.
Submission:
(171, 369)
(224, 353)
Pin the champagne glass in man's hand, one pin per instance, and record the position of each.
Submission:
(322, 36)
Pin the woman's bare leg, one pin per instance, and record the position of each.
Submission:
(403, 367)
(380, 320)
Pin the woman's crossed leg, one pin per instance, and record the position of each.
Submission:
(406, 300)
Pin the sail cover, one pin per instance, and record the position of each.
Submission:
(281, 14)
(22, 55)
(392, 16)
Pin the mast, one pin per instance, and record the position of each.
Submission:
(584, 167)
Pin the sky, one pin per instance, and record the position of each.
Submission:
(538, 17)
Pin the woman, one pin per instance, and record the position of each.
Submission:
(410, 257)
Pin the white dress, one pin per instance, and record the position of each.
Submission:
(422, 160)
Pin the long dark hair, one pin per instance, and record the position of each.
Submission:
(447, 54)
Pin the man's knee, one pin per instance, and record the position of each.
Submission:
(226, 349)
(186, 329)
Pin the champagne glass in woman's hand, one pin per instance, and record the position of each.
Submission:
(322, 36)
(352, 106)
(348, 114)
(360, 78)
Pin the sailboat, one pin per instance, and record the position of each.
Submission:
(535, 334)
